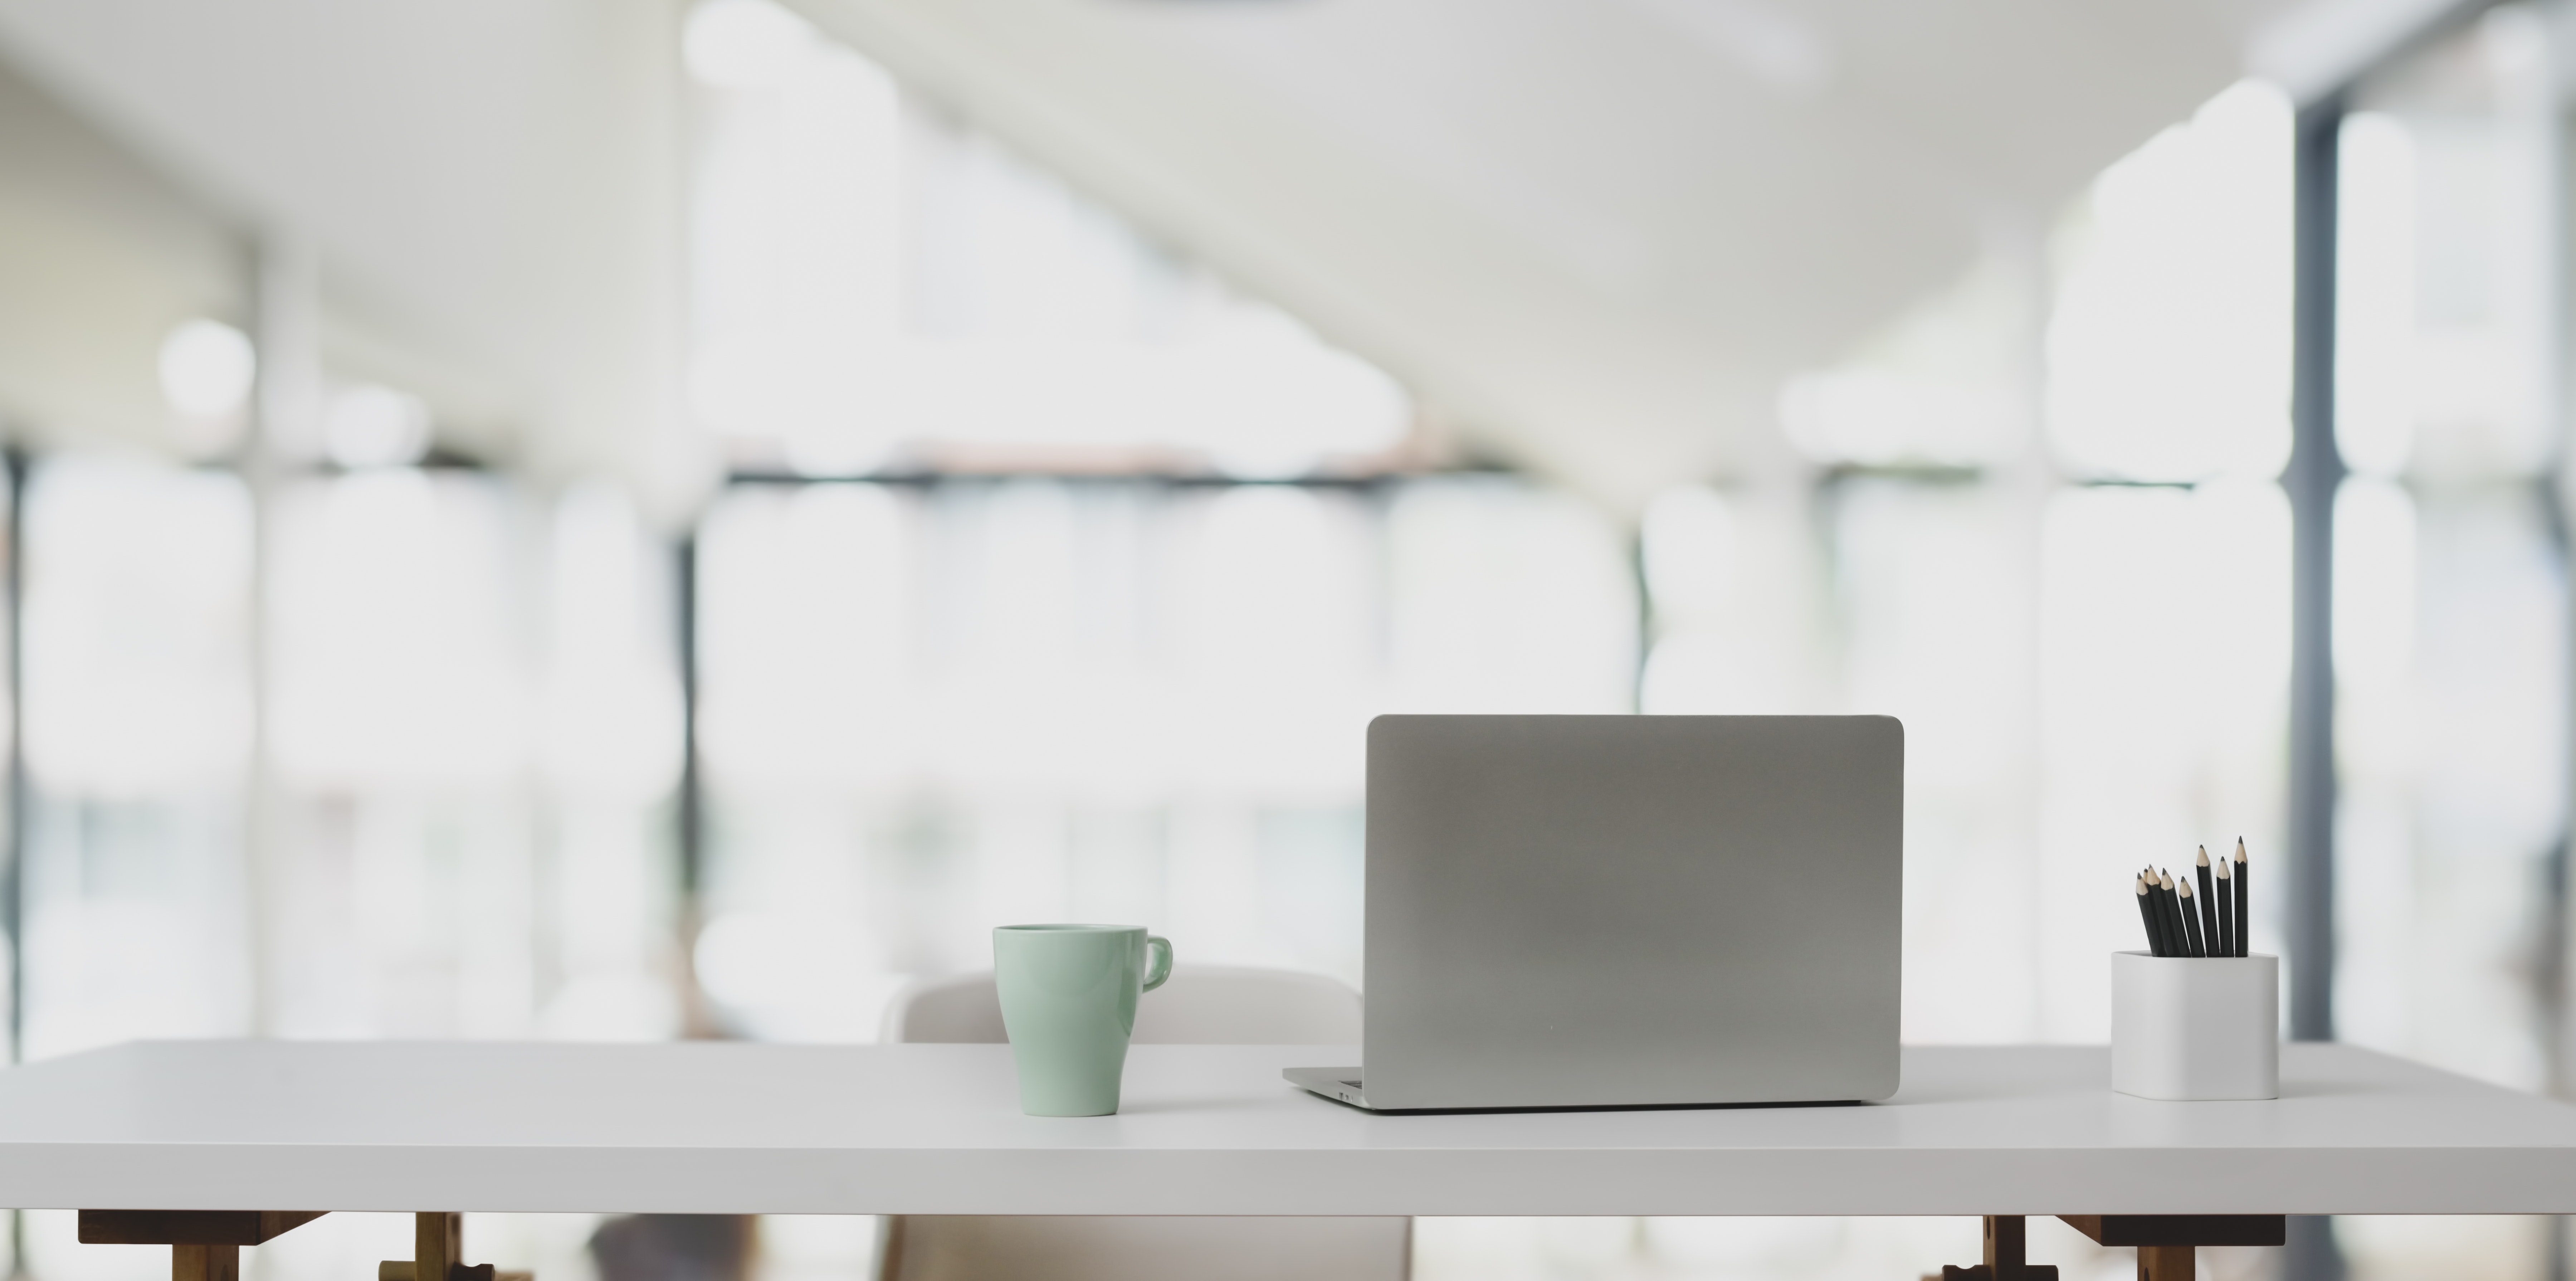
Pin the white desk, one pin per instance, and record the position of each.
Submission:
(1213, 1130)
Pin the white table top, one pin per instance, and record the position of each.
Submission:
(1213, 1130)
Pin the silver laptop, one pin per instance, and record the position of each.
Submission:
(1629, 911)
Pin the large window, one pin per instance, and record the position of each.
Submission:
(1068, 576)
(475, 730)
(2037, 519)
(459, 801)
(2039, 524)
(2451, 594)
(138, 723)
(933, 708)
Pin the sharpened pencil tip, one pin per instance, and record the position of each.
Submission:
(2222, 870)
(2141, 884)
(2183, 889)
(2204, 856)
(2240, 849)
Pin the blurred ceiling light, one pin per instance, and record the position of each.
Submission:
(1780, 49)
(743, 44)
(371, 425)
(207, 368)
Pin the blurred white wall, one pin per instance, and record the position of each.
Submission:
(490, 191)
(100, 257)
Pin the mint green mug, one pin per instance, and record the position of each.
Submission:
(1069, 1004)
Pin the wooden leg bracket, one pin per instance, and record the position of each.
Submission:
(2167, 1244)
(205, 1245)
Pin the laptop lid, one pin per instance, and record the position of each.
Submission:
(1590, 911)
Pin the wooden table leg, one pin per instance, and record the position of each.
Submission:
(438, 1250)
(2007, 1238)
(205, 1263)
(437, 1243)
(2167, 1262)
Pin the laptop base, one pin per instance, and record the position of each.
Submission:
(1340, 1084)
(1343, 1085)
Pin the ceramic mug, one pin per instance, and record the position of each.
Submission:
(1069, 1004)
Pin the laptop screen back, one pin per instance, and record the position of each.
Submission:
(1571, 911)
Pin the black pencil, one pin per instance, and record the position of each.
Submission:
(2147, 917)
(2226, 910)
(2191, 920)
(2147, 878)
(2156, 902)
(2155, 920)
(2240, 897)
(2174, 926)
(2209, 931)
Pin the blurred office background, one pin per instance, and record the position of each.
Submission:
(632, 520)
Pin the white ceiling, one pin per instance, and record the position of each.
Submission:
(1598, 232)
(491, 187)
(1593, 233)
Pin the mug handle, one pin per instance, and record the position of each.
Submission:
(1160, 968)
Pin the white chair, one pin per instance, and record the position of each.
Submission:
(1198, 1005)
(1202, 1004)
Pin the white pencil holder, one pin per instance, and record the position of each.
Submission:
(2196, 1028)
